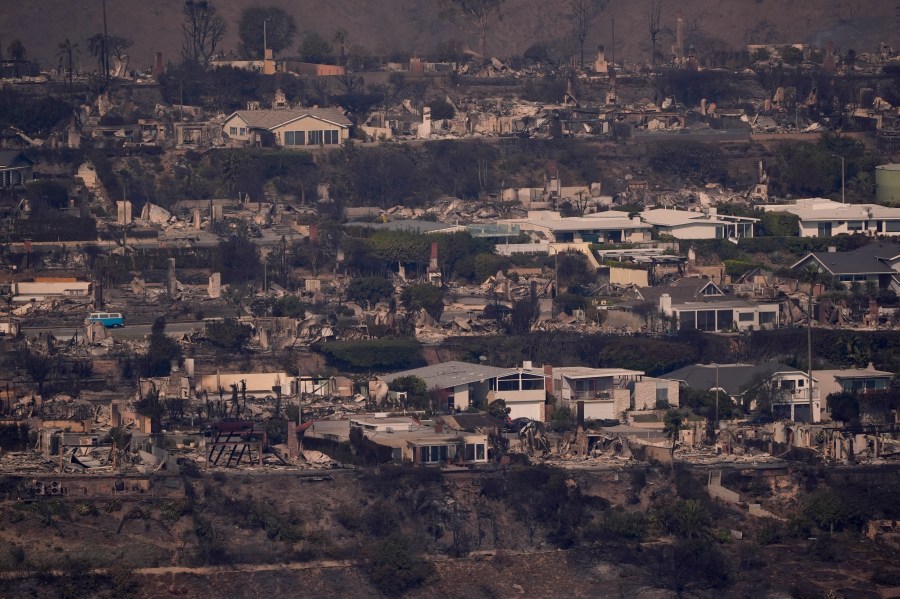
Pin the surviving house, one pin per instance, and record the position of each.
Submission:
(789, 388)
(611, 226)
(15, 169)
(409, 440)
(685, 224)
(791, 395)
(291, 127)
(876, 263)
(607, 393)
(700, 304)
(824, 218)
(853, 380)
(465, 385)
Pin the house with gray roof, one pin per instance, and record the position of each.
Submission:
(790, 388)
(288, 127)
(700, 304)
(877, 263)
(462, 385)
(409, 440)
(15, 169)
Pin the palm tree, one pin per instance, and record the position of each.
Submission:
(341, 37)
(673, 422)
(692, 519)
(65, 53)
(98, 48)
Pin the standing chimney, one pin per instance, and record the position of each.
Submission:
(665, 304)
(172, 287)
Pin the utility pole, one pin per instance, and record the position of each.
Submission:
(105, 48)
(265, 42)
(809, 380)
(843, 184)
(717, 400)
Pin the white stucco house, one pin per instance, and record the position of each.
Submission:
(610, 226)
(288, 127)
(820, 217)
(686, 224)
(463, 385)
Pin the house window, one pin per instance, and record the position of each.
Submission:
(315, 138)
(232, 130)
(687, 320)
(583, 388)
(767, 318)
(706, 320)
(662, 395)
(801, 382)
(474, 451)
(433, 454)
(508, 384)
(243, 131)
(451, 403)
(824, 229)
(725, 319)
(892, 226)
(532, 383)
(854, 225)
(331, 137)
(745, 317)
(294, 138)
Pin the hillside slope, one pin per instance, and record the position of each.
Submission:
(416, 25)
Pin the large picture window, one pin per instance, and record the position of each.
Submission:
(295, 138)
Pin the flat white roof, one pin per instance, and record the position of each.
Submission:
(672, 218)
(583, 372)
(853, 373)
(821, 209)
(580, 223)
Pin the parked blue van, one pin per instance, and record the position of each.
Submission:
(110, 320)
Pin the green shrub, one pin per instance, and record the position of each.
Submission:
(374, 354)
(770, 533)
(394, 568)
(619, 524)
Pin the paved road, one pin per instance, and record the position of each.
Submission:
(129, 331)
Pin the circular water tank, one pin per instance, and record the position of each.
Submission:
(887, 184)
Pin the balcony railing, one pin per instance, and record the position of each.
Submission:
(592, 395)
